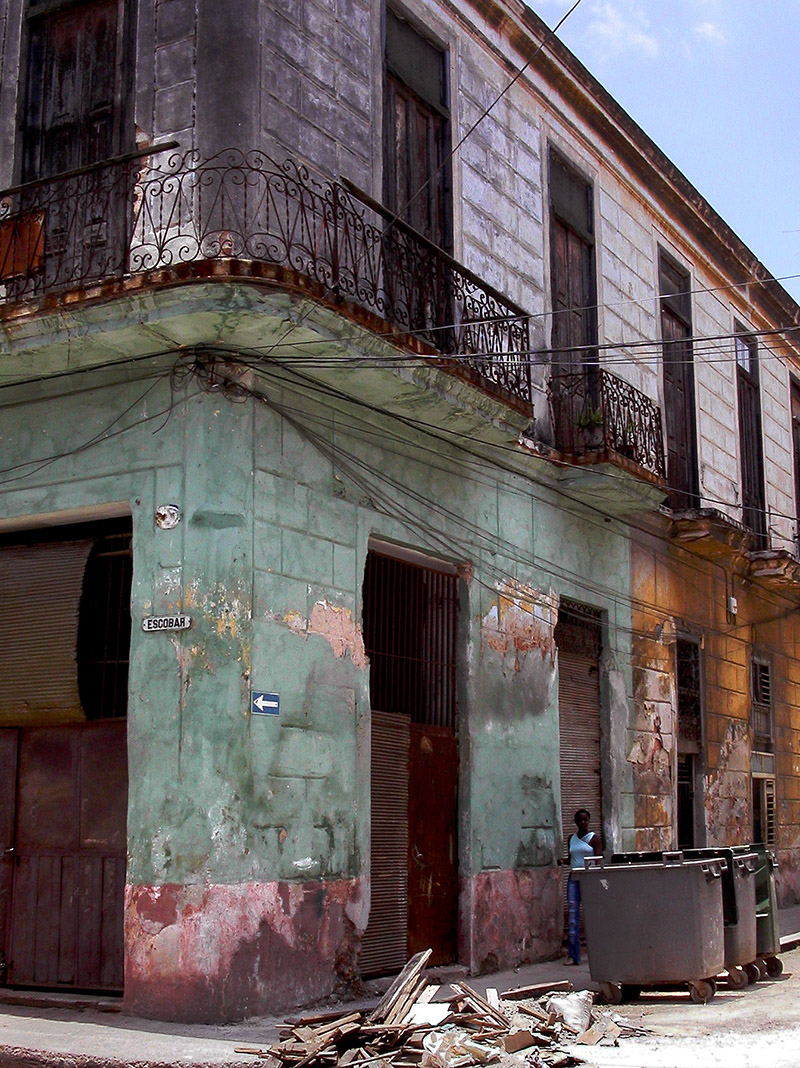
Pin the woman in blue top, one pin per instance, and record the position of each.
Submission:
(582, 844)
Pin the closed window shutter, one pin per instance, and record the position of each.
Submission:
(384, 945)
(769, 812)
(579, 726)
(40, 590)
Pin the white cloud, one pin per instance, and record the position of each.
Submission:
(709, 32)
(619, 28)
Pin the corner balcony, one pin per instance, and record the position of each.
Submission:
(148, 221)
(608, 436)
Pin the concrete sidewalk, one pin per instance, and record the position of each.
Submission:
(67, 1031)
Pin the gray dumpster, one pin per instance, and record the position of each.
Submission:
(768, 938)
(738, 903)
(653, 924)
(740, 936)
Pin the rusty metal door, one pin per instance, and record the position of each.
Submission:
(69, 859)
(410, 635)
(8, 794)
(432, 859)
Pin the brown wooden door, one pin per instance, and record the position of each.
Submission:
(416, 175)
(69, 859)
(574, 313)
(432, 856)
(72, 118)
(8, 794)
(753, 495)
(679, 412)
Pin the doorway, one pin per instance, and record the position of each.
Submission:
(63, 756)
(410, 616)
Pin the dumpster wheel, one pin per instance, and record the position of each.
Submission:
(612, 993)
(737, 978)
(702, 991)
(774, 966)
(753, 972)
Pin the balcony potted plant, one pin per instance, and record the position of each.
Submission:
(591, 424)
(627, 446)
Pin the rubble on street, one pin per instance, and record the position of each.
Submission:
(417, 1024)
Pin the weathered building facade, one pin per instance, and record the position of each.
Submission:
(334, 461)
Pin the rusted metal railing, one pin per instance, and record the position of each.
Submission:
(142, 213)
(593, 411)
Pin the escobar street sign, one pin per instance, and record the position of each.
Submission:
(153, 624)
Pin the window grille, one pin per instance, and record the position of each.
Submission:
(769, 811)
(410, 619)
(104, 628)
(761, 687)
(689, 687)
(764, 811)
(578, 629)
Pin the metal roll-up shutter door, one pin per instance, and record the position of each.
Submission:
(40, 591)
(383, 947)
(579, 726)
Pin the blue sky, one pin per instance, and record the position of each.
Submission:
(716, 84)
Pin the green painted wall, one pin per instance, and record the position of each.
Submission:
(268, 561)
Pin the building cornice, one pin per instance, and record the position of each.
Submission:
(524, 31)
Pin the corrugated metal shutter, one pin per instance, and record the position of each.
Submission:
(383, 947)
(40, 590)
(579, 726)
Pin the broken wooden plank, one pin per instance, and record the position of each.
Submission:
(481, 1003)
(405, 979)
(531, 1010)
(404, 1003)
(518, 1040)
(535, 991)
(428, 994)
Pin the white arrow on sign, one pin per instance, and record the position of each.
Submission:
(261, 703)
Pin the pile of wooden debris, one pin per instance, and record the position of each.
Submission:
(524, 1028)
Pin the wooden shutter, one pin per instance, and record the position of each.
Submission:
(40, 590)
(72, 87)
(753, 493)
(769, 812)
(572, 268)
(579, 728)
(417, 133)
(679, 412)
(384, 945)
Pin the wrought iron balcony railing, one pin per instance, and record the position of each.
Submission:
(136, 214)
(594, 412)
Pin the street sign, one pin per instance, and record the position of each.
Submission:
(265, 704)
(154, 624)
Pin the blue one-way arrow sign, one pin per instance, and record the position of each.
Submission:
(265, 704)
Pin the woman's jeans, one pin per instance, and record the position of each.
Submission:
(574, 919)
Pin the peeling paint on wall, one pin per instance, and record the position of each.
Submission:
(517, 917)
(215, 952)
(524, 619)
(727, 789)
(333, 622)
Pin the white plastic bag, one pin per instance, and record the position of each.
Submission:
(574, 1009)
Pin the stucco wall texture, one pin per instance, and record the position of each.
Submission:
(686, 595)
(248, 836)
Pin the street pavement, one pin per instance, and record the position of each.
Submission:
(760, 1023)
